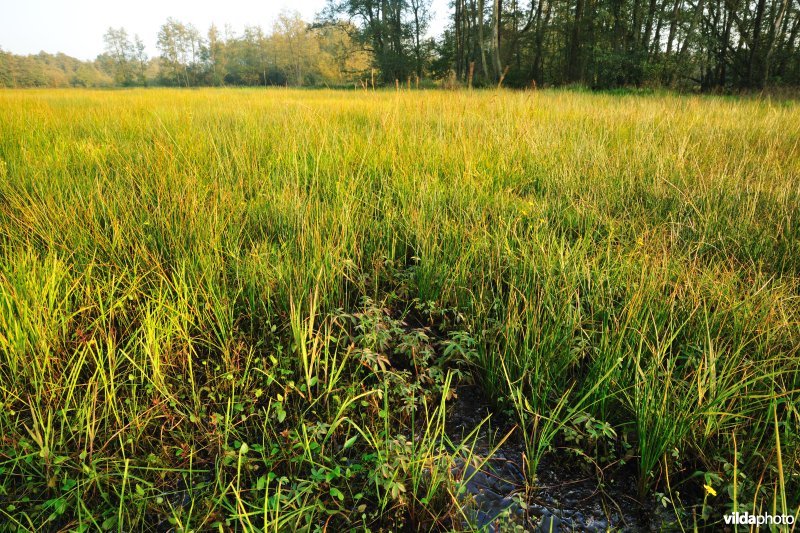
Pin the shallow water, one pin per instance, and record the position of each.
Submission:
(565, 498)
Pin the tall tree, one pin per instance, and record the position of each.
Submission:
(140, 60)
(122, 54)
(180, 46)
(389, 29)
(421, 16)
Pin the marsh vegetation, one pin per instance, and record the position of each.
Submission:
(258, 309)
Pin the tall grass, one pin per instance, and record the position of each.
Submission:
(213, 303)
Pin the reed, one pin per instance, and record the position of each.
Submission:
(249, 309)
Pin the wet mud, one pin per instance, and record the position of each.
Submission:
(566, 496)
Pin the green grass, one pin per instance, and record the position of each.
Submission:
(213, 303)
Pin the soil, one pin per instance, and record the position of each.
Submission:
(568, 494)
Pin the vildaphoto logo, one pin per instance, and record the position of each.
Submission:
(747, 519)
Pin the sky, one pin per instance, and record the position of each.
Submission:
(76, 27)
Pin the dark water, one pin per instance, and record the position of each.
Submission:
(566, 497)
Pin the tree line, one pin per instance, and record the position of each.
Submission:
(705, 44)
(689, 44)
(696, 44)
(293, 53)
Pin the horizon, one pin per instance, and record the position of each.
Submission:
(77, 29)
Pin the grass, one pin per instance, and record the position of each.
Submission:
(249, 309)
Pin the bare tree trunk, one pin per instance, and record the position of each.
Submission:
(722, 71)
(535, 70)
(573, 56)
(468, 32)
(692, 25)
(417, 49)
(636, 31)
(648, 29)
(673, 25)
(655, 46)
(776, 28)
(482, 43)
(458, 36)
(755, 43)
(497, 16)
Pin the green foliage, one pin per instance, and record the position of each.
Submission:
(248, 309)
(46, 70)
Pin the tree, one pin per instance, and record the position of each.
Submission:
(497, 17)
(140, 59)
(216, 56)
(7, 69)
(390, 30)
(180, 46)
(705, 44)
(710, 45)
(344, 59)
(421, 16)
(46, 70)
(121, 56)
(296, 50)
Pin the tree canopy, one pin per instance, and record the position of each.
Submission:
(687, 44)
(705, 44)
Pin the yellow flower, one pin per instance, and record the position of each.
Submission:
(710, 490)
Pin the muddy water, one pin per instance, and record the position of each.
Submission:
(566, 497)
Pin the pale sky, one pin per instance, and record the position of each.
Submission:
(76, 27)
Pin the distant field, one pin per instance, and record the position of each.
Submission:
(250, 309)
